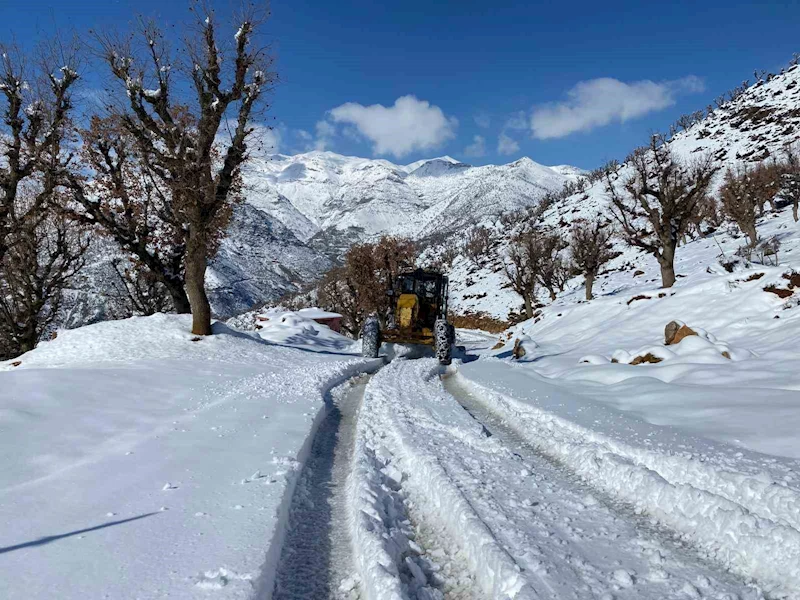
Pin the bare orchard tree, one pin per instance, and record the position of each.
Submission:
(478, 244)
(790, 179)
(358, 288)
(35, 105)
(177, 132)
(372, 269)
(337, 292)
(517, 266)
(142, 292)
(746, 191)
(739, 203)
(122, 197)
(547, 261)
(45, 252)
(590, 250)
(659, 202)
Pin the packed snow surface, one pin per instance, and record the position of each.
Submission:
(436, 466)
(142, 462)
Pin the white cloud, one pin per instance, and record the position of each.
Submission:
(598, 102)
(482, 120)
(506, 144)
(304, 135)
(325, 132)
(477, 147)
(410, 124)
(518, 120)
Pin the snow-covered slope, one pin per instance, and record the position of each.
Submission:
(259, 260)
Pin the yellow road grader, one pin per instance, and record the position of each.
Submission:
(418, 316)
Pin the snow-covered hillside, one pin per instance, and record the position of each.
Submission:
(758, 125)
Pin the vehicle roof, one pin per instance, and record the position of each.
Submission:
(421, 273)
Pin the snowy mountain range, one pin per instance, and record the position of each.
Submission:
(330, 200)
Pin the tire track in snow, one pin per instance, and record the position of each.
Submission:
(400, 555)
(526, 526)
(585, 527)
(316, 558)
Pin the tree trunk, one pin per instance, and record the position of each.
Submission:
(177, 292)
(589, 284)
(751, 233)
(794, 210)
(528, 306)
(196, 262)
(667, 262)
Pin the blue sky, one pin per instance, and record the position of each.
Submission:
(485, 82)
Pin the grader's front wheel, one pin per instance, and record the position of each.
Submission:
(371, 338)
(445, 334)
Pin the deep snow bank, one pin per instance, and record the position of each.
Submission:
(152, 464)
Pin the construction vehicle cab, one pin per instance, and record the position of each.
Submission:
(418, 315)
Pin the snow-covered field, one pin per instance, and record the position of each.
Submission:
(139, 463)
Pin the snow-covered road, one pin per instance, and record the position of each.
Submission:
(523, 525)
(231, 468)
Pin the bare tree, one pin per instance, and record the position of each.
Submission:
(547, 261)
(45, 252)
(143, 292)
(590, 250)
(35, 105)
(790, 179)
(478, 244)
(126, 200)
(358, 288)
(177, 133)
(337, 292)
(745, 192)
(373, 269)
(659, 201)
(517, 266)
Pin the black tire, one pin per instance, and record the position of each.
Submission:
(371, 338)
(443, 332)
